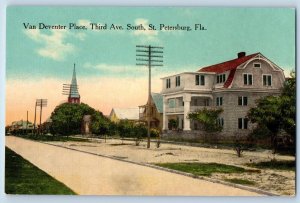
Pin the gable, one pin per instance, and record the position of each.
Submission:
(266, 67)
(158, 101)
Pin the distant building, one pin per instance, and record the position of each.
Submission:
(20, 127)
(130, 114)
(156, 111)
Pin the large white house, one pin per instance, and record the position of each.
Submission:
(233, 85)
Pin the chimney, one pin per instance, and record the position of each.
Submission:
(241, 54)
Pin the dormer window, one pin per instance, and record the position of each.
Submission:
(256, 65)
(200, 79)
(177, 81)
(168, 83)
(221, 78)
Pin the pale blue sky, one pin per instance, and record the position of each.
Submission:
(112, 53)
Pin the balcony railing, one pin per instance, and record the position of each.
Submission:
(180, 109)
(195, 108)
(143, 116)
(175, 109)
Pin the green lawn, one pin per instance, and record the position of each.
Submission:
(240, 181)
(53, 138)
(203, 169)
(277, 165)
(21, 177)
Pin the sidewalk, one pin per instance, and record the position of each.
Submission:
(89, 174)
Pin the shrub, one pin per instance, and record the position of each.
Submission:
(173, 124)
(154, 132)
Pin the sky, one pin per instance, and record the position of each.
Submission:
(40, 61)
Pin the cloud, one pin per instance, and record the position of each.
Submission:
(110, 68)
(54, 45)
(84, 22)
(132, 71)
(150, 35)
(287, 71)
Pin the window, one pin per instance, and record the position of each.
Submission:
(221, 78)
(267, 80)
(256, 65)
(220, 122)
(219, 101)
(243, 101)
(200, 79)
(243, 123)
(177, 81)
(195, 101)
(168, 83)
(206, 102)
(248, 80)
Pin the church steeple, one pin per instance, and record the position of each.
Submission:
(74, 96)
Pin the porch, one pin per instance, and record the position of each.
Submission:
(177, 108)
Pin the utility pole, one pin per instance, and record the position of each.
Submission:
(34, 116)
(149, 56)
(41, 103)
(27, 122)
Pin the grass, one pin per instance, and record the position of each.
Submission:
(203, 169)
(240, 181)
(21, 177)
(120, 144)
(274, 164)
(53, 138)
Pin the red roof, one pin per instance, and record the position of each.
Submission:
(230, 78)
(228, 66)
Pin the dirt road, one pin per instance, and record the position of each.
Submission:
(89, 174)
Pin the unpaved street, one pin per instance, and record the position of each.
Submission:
(89, 174)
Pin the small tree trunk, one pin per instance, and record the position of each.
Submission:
(274, 143)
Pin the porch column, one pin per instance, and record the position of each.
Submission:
(165, 119)
(186, 110)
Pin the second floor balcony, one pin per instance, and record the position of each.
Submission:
(180, 109)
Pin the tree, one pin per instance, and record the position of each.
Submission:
(100, 124)
(139, 131)
(289, 105)
(125, 128)
(277, 112)
(67, 118)
(268, 113)
(207, 117)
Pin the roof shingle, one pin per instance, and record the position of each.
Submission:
(127, 113)
(227, 65)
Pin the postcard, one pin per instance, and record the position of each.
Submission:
(150, 101)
